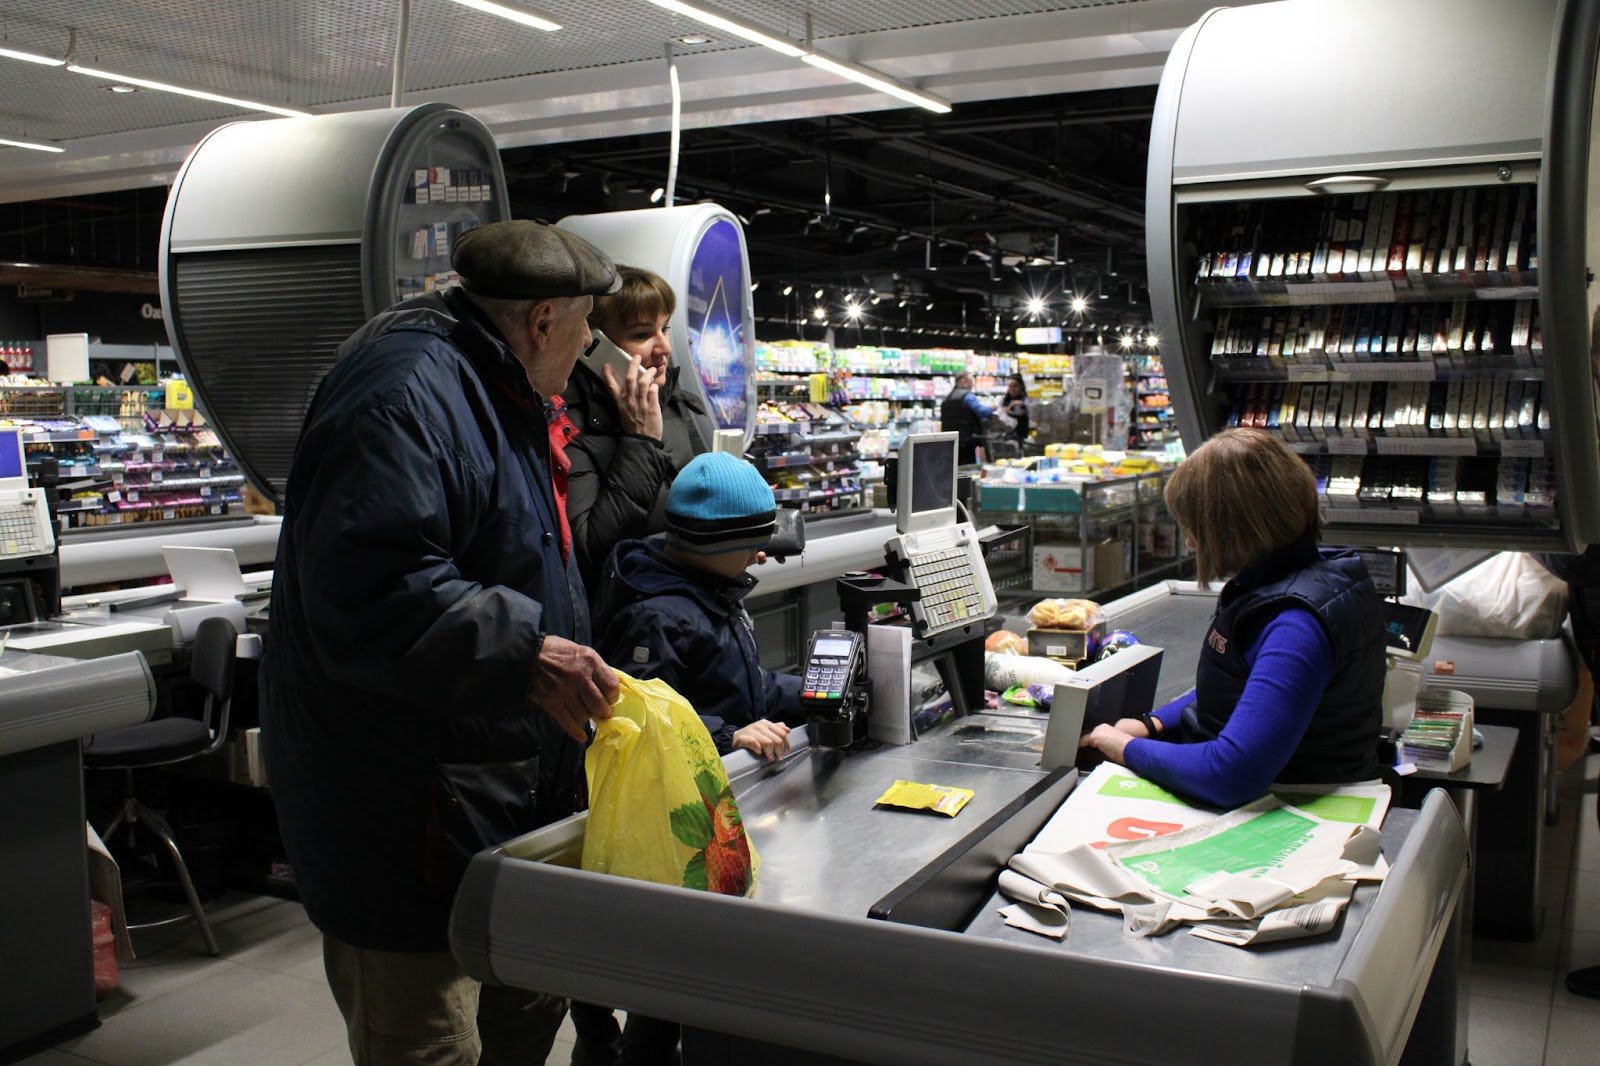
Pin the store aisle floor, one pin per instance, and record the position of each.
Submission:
(264, 1001)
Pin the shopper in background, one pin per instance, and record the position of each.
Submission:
(1016, 407)
(1290, 681)
(426, 684)
(963, 413)
(636, 429)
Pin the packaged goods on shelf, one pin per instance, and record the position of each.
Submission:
(810, 455)
(1063, 567)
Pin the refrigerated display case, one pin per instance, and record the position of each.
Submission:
(1387, 263)
(282, 237)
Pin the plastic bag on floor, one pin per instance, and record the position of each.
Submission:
(1508, 596)
(660, 806)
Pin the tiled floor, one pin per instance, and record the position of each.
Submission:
(264, 1002)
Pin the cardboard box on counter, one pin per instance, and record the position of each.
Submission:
(1063, 567)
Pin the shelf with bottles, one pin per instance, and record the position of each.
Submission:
(20, 358)
(1469, 242)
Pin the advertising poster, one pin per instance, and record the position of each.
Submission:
(722, 350)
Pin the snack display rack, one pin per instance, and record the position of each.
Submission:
(1153, 424)
(810, 455)
(114, 455)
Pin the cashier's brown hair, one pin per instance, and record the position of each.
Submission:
(1242, 495)
(644, 297)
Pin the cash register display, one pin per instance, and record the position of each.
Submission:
(926, 498)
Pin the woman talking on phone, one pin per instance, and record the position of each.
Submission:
(1289, 687)
(635, 429)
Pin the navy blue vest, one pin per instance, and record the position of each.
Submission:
(1340, 744)
(955, 416)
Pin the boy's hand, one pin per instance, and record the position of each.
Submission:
(572, 684)
(766, 738)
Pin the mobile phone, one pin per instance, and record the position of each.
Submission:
(602, 353)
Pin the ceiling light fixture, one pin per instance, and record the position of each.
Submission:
(817, 295)
(854, 311)
(928, 306)
(122, 88)
(179, 90)
(694, 38)
(819, 312)
(656, 194)
(31, 145)
(754, 285)
(32, 57)
(1079, 305)
(1035, 305)
(514, 13)
(735, 26)
(787, 289)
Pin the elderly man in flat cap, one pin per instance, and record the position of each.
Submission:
(427, 683)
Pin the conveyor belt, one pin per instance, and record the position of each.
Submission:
(1175, 622)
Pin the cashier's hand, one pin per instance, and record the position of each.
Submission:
(1133, 727)
(765, 738)
(572, 684)
(638, 397)
(1108, 741)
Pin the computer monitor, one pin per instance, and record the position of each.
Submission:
(13, 464)
(926, 490)
(1408, 631)
(1122, 686)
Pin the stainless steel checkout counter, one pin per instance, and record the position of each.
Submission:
(800, 973)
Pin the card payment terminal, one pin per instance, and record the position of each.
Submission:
(833, 665)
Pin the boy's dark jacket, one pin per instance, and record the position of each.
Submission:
(689, 628)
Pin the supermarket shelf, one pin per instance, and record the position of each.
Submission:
(1244, 370)
(1276, 292)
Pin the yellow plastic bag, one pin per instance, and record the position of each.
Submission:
(660, 807)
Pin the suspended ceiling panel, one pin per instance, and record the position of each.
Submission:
(601, 74)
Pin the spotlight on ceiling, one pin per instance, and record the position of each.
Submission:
(817, 294)
(1079, 304)
(656, 194)
(819, 312)
(854, 311)
(787, 289)
(928, 306)
(1035, 305)
(695, 38)
(754, 285)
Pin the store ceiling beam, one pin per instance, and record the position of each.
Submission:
(80, 279)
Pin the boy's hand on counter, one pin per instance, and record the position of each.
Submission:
(766, 738)
(572, 684)
(1108, 741)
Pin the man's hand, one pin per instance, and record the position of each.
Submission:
(638, 398)
(1108, 741)
(766, 738)
(572, 684)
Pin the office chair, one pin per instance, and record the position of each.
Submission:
(164, 741)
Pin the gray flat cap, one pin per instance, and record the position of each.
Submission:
(522, 260)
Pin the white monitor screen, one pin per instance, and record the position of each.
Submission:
(933, 475)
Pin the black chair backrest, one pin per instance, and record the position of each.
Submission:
(211, 668)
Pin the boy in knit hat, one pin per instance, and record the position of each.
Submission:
(676, 607)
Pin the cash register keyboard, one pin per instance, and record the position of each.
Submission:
(948, 566)
(19, 530)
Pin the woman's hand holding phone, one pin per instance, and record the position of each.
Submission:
(638, 397)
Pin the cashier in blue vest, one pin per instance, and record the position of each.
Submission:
(1289, 687)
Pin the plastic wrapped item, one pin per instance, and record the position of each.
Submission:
(1001, 671)
(105, 950)
(660, 807)
(1508, 596)
(1064, 614)
(1003, 640)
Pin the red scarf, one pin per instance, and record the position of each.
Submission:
(562, 433)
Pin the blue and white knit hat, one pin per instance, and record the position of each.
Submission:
(719, 503)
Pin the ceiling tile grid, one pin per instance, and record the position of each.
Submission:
(310, 53)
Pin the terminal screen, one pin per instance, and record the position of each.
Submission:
(11, 453)
(833, 649)
(933, 476)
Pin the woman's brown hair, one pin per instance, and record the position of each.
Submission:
(1242, 495)
(644, 297)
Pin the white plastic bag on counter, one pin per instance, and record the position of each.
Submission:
(1508, 596)
(1002, 670)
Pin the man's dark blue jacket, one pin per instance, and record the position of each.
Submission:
(690, 629)
(419, 568)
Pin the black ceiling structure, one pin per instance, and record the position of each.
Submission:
(974, 213)
(940, 228)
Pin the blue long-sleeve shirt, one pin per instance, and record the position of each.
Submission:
(977, 406)
(1291, 663)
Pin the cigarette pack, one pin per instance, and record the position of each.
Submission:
(1515, 247)
(1375, 254)
(1399, 242)
(1452, 410)
(1495, 422)
(1362, 409)
(1450, 235)
(1355, 234)
(1462, 250)
(1483, 230)
(1438, 400)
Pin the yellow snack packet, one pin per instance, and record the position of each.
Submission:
(941, 799)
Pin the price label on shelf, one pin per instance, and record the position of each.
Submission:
(156, 476)
(114, 496)
(157, 456)
(205, 490)
(1347, 446)
(168, 513)
(1522, 449)
(1308, 373)
(133, 496)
